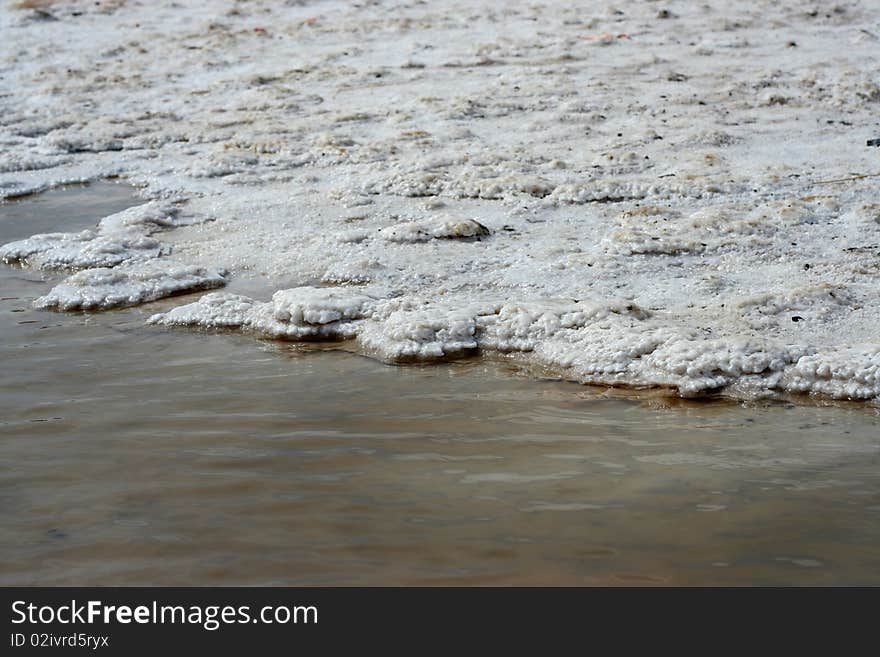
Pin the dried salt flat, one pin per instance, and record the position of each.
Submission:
(637, 195)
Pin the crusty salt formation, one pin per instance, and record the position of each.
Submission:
(117, 264)
(304, 313)
(74, 251)
(128, 285)
(592, 190)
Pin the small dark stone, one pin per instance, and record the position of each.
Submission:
(42, 15)
(796, 318)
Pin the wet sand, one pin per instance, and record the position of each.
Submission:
(138, 455)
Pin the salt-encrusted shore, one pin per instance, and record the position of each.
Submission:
(651, 193)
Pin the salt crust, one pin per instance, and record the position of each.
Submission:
(617, 209)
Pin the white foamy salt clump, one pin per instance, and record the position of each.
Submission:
(214, 310)
(118, 264)
(580, 193)
(422, 231)
(420, 333)
(118, 237)
(127, 285)
(523, 326)
(588, 341)
(472, 184)
(73, 251)
(849, 373)
(148, 218)
(302, 313)
(316, 305)
(654, 230)
(29, 162)
(309, 313)
(607, 352)
(695, 366)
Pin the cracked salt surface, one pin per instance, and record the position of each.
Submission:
(649, 209)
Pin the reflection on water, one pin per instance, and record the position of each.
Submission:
(135, 455)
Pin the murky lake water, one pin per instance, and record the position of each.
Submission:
(137, 455)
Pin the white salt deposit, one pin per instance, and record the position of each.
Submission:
(412, 331)
(80, 250)
(422, 231)
(301, 313)
(128, 285)
(674, 195)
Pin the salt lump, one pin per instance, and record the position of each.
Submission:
(524, 326)
(852, 373)
(212, 311)
(73, 251)
(118, 264)
(127, 285)
(410, 331)
(119, 237)
(309, 313)
(422, 231)
(398, 331)
(301, 313)
(317, 306)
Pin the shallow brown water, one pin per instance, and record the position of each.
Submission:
(138, 455)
